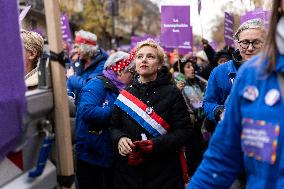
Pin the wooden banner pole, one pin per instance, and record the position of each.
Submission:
(65, 165)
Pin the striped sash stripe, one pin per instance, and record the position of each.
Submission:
(150, 121)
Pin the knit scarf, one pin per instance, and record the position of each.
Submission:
(111, 75)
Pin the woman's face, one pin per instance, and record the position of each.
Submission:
(250, 42)
(30, 59)
(147, 62)
(189, 70)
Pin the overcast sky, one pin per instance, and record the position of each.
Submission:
(210, 9)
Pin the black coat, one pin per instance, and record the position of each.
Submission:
(162, 168)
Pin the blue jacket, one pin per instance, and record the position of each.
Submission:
(76, 82)
(93, 143)
(218, 88)
(248, 124)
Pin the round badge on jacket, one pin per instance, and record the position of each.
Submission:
(272, 97)
(250, 93)
(149, 110)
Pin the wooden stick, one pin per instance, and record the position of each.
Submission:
(65, 165)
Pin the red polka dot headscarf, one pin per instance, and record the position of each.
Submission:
(119, 60)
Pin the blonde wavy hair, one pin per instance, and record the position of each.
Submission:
(32, 41)
(152, 43)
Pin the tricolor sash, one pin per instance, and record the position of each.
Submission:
(141, 113)
(148, 119)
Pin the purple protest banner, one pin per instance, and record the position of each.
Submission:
(65, 28)
(229, 29)
(257, 13)
(175, 28)
(12, 90)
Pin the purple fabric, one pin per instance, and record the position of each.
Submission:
(113, 78)
(12, 90)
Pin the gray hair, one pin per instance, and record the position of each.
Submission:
(250, 24)
(89, 50)
(32, 41)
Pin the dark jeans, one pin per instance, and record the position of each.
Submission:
(92, 176)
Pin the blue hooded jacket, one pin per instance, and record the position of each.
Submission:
(93, 143)
(218, 88)
(76, 82)
(251, 135)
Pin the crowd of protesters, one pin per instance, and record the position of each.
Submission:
(201, 121)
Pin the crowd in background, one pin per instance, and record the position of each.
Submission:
(145, 122)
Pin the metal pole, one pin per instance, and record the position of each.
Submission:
(113, 41)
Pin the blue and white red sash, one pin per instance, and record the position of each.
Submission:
(141, 113)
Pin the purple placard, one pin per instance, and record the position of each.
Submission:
(175, 28)
(187, 38)
(65, 28)
(257, 13)
(12, 90)
(229, 29)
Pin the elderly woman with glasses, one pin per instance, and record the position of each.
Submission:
(250, 138)
(249, 39)
(150, 125)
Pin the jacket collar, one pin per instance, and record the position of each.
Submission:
(232, 71)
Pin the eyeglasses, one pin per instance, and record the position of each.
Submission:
(256, 44)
